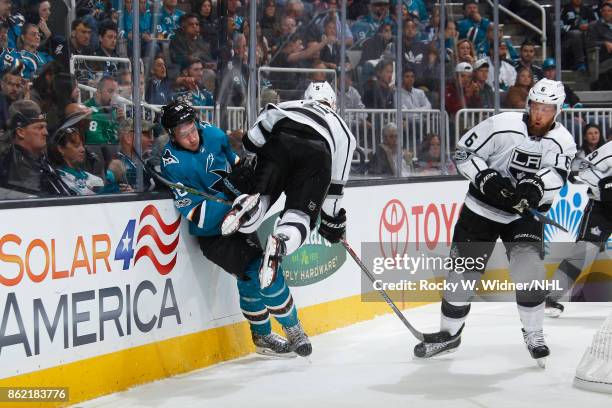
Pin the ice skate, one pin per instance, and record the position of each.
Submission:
(273, 256)
(438, 343)
(272, 345)
(537, 346)
(299, 340)
(239, 214)
(553, 309)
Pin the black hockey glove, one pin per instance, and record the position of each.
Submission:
(333, 228)
(496, 188)
(605, 192)
(240, 180)
(530, 188)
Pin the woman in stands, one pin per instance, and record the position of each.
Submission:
(592, 139)
(517, 94)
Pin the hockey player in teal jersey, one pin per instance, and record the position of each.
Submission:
(199, 156)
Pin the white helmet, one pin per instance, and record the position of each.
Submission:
(322, 92)
(549, 92)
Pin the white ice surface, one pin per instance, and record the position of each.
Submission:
(370, 364)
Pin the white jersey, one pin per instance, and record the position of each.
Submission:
(502, 143)
(596, 166)
(328, 125)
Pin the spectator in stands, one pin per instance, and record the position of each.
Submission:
(288, 28)
(169, 19)
(451, 36)
(124, 165)
(68, 156)
(465, 52)
(374, 47)
(430, 158)
(191, 84)
(483, 48)
(378, 92)
(416, 9)
(575, 23)
(234, 82)
(270, 21)
(38, 14)
(517, 94)
(411, 97)
(187, 42)
(107, 34)
(352, 97)
(473, 26)
(12, 88)
(145, 25)
(414, 51)
(14, 22)
(430, 32)
(527, 59)
(332, 13)
(232, 13)
(3, 41)
(549, 68)
(209, 25)
(384, 160)
(507, 73)
(600, 32)
(368, 25)
(106, 113)
(462, 92)
(592, 139)
(330, 53)
(80, 37)
(158, 90)
(52, 91)
(78, 116)
(33, 59)
(486, 92)
(25, 167)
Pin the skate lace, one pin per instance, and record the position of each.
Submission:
(535, 338)
(296, 334)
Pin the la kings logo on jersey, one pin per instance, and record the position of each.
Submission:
(522, 163)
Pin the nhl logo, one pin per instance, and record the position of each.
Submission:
(312, 206)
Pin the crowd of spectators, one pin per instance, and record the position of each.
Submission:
(197, 50)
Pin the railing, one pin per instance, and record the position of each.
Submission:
(367, 125)
(541, 32)
(574, 120)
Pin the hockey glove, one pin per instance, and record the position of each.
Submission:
(530, 188)
(605, 192)
(495, 187)
(240, 180)
(333, 228)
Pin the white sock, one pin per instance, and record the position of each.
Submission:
(532, 317)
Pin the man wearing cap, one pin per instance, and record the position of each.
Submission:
(124, 164)
(192, 82)
(481, 73)
(25, 166)
(473, 26)
(462, 92)
(367, 26)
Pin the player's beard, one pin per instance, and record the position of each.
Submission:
(539, 131)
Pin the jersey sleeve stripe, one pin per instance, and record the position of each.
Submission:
(348, 145)
(602, 159)
(315, 118)
(495, 133)
(555, 142)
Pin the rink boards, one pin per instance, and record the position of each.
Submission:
(102, 297)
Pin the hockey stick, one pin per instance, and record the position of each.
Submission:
(382, 292)
(524, 211)
(180, 187)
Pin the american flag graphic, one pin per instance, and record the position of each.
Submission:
(162, 247)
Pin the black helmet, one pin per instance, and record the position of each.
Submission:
(176, 113)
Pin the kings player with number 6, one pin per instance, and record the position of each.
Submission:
(515, 162)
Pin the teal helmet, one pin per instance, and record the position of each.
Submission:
(549, 63)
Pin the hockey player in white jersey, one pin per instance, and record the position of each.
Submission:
(514, 162)
(595, 227)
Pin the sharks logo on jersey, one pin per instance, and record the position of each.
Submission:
(168, 158)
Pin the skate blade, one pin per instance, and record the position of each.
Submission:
(553, 313)
(453, 350)
(541, 362)
(268, 352)
(233, 222)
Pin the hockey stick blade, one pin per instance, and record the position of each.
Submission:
(382, 292)
(545, 220)
(180, 187)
